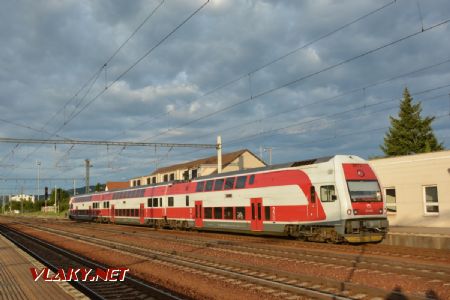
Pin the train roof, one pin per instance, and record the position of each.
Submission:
(234, 173)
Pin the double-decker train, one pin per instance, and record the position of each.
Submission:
(331, 199)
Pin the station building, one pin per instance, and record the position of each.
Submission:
(233, 161)
(416, 188)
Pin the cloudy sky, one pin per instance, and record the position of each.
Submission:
(305, 78)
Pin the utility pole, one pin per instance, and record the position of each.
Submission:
(269, 149)
(219, 155)
(56, 198)
(88, 165)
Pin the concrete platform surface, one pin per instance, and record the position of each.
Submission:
(419, 237)
(16, 281)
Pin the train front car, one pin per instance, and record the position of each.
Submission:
(363, 212)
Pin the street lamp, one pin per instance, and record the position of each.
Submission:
(38, 163)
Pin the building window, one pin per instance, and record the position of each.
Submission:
(194, 173)
(166, 178)
(172, 176)
(154, 179)
(391, 200)
(139, 182)
(327, 193)
(430, 198)
(148, 181)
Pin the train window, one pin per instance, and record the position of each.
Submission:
(217, 212)
(251, 179)
(229, 183)
(253, 211)
(107, 204)
(240, 182)
(155, 202)
(240, 213)
(209, 185)
(136, 212)
(228, 213)
(259, 211)
(160, 202)
(267, 213)
(200, 186)
(312, 194)
(141, 193)
(187, 200)
(149, 202)
(327, 193)
(170, 201)
(208, 212)
(218, 185)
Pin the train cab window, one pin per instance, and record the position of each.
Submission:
(267, 213)
(217, 212)
(240, 213)
(218, 185)
(149, 202)
(208, 212)
(327, 193)
(229, 183)
(155, 202)
(170, 201)
(187, 200)
(240, 182)
(312, 194)
(209, 185)
(200, 186)
(228, 213)
(251, 179)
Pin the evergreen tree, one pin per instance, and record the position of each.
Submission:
(410, 133)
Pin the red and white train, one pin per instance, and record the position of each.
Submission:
(333, 199)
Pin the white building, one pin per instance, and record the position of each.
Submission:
(22, 197)
(416, 188)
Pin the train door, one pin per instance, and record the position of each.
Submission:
(113, 213)
(256, 221)
(330, 201)
(198, 213)
(141, 213)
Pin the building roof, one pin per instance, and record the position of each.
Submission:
(116, 185)
(226, 160)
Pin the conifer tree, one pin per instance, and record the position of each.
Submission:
(410, 133)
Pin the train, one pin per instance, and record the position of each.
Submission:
(334, 199)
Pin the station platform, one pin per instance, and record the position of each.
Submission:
(420, 237)
(16, 281)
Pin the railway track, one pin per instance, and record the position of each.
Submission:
(279, 283)
(55, 258)
(425, 271)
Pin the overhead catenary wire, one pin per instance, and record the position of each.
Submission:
(300, 79)
(279, 58)
(121, 75)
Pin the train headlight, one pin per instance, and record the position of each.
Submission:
(355, 212)
(381, 211)
(349, 212)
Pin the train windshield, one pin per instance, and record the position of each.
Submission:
(364, 191)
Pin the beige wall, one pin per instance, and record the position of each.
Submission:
(408, 175)
(245, 161)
